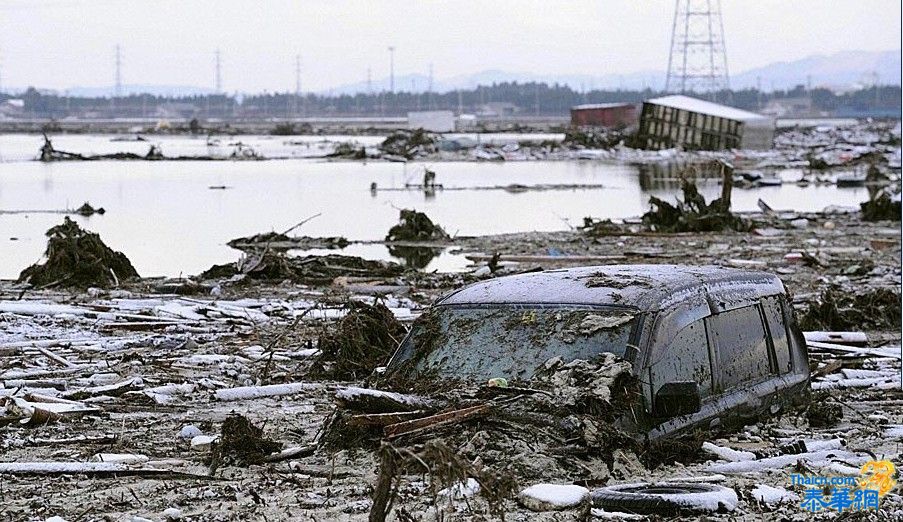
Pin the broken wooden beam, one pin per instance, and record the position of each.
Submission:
(435, 421)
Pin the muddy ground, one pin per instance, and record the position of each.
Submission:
(149, 370)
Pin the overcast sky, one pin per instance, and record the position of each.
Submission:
(64, 43)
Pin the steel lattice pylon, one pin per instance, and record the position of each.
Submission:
(698, 60)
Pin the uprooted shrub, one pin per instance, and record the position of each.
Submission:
(881, 208)
(241, 443)
(361, 341)
(837, 309)
(692, 214)
(445, 468)
(78, 258)
(415, 226)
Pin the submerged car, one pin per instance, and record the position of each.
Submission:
(709, 346)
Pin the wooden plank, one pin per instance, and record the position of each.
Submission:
(382, 419)
(435, 421)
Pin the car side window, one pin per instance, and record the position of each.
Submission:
(739, 337)
(685, 358)
(774, 316)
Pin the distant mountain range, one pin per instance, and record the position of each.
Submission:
(841, 70)
(847, 69)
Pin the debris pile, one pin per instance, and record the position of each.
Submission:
(78, 258)
(692, 214)
(415, 226)
(409, 144)
(882, 207)
(281, 241)
(842, 309)
(346, 150)
(361, 341)
(595, 138)
(561, 425)
(241, 443)
(87, 210)
(313, 270)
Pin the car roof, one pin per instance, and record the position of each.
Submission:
(642, 287)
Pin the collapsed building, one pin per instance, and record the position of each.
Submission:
(694, 124)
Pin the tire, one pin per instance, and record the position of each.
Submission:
(665, 498)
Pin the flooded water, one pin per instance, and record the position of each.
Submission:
(165, 217)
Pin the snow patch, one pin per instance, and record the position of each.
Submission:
(553, 497)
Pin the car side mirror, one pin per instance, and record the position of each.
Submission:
(677, 398)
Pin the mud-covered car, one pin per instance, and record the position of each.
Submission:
(708, 346)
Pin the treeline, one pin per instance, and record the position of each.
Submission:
(522, 99)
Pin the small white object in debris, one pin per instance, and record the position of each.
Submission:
(895, 431)
(99, 379)
(729, 454)
(121, 458)
(482, 271)
(772, 495)
(553, 497)
(202, 442)
(55, 519)
(189, 431)
(462, 489)
(800, 223)
(614, 515)
(172, 513)
(241, 393)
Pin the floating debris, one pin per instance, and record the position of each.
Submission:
(415, 226)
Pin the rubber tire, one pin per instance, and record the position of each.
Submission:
(644, 499)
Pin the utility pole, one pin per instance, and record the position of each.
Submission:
(218, 75)
(297, 85)
(536, 99)
(392, 68)
(758, 92)
(430, 103)
(118, 89)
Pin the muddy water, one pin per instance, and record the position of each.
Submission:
(164, 216)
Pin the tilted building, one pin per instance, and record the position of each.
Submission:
(694, 124)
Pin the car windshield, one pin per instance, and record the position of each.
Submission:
(483, 342)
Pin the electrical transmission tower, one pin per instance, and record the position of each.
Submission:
(698, 60)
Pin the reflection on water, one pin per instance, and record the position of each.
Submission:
(414, 257)
(167, 220)
(665, 176)
(426, 259)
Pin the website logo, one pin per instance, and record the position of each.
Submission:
(847, 493)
